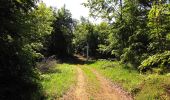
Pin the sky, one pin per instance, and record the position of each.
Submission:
(75, 7)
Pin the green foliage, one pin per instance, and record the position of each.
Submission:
(85, 34)
(137, 50)
(59, 43)
(40, 21)
(22, 32)
(106, 9)
(103, 30)
(158, 23)
(158, 63)
(139, 28)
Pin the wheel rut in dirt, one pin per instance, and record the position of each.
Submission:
(109, 91)
(80, 90)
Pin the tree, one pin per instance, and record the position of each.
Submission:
(85, 37)
(19, 78)
(159, 25)
(103, 30)
(60, 41)
(107, 9)
(124, 41)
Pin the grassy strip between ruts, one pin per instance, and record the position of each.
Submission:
(142, 87)
(93, 84)
(55, 84)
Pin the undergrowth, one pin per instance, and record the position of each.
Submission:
(55, 84)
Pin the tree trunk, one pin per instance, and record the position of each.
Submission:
(120, 9)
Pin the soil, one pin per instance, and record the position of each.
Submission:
(107, 91)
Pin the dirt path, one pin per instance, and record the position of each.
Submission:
(107, 91)
(78, 92)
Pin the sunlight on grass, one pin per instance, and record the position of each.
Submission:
(55, 84)
(127, 78)
(148, 87)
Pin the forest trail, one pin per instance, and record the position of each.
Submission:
(107, 91)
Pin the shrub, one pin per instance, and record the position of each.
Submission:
(158, 63)
(47, 65)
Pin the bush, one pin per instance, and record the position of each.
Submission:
(158, 63)
(47, 65)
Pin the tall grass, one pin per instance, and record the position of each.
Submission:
(57, 83)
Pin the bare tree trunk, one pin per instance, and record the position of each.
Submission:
(87, 51)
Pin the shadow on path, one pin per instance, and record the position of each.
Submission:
(77, 59)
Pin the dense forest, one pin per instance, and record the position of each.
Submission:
(134, 32)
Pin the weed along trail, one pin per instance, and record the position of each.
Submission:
(93, 86)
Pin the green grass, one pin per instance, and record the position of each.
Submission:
(154, 87)
(143, 87)
(93, 85)
(57, 83)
